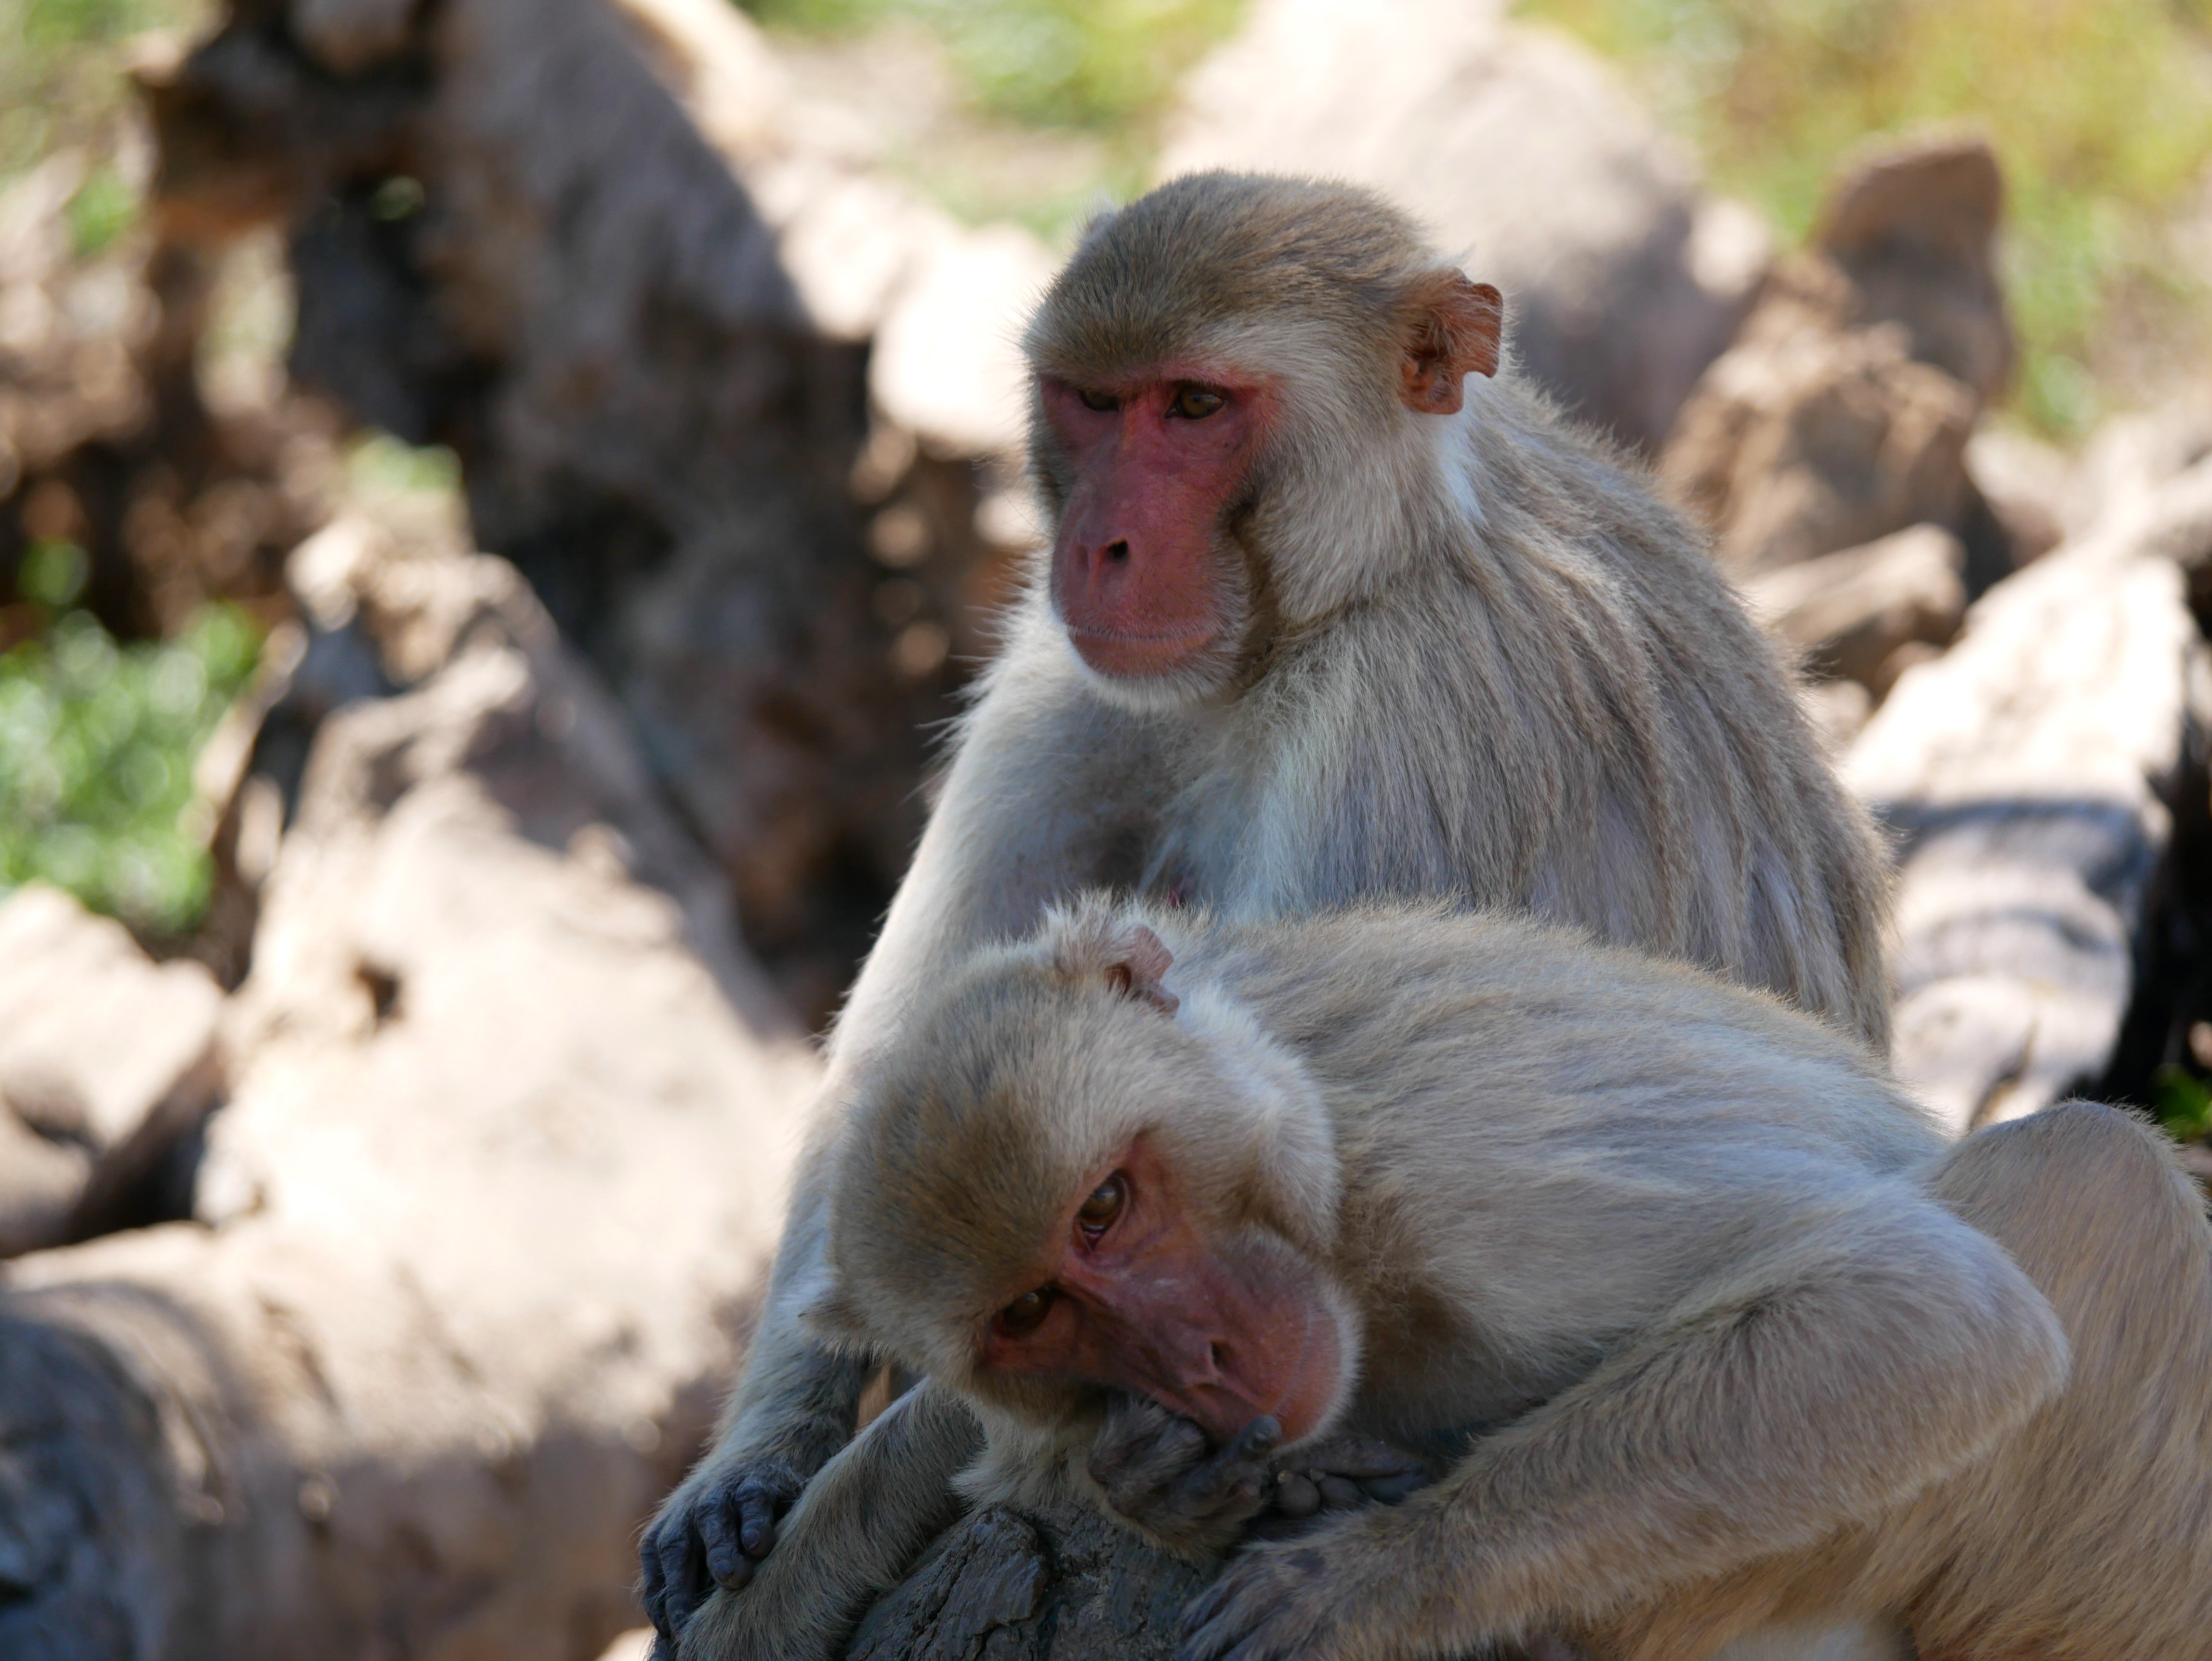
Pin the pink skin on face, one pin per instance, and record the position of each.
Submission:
(1148, 1304)
(1138, 570)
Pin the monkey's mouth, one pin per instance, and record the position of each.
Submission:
(1134, 657)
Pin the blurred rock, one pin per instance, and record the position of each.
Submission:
(105, 441)
(107, 1071)
(2029, 485)
(584, 243)
(1913, 225)
(1803, 444)
(1847, 613)
(2132, 456)
(1841, 412)
(1523, 155)
(2027, 774)
(484, 1225)
(1839, 710)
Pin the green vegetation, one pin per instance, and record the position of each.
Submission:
(97, 749)
(1089, 63)
(2183, 1104)
(1083, 80)
(2101, 111)
(100, 211)
(61, 75)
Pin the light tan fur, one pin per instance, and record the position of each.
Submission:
(1474, 659)
(1746, 1346)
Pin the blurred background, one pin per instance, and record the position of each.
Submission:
(499, 499)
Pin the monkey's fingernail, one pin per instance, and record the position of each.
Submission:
(1336, 1494)
(1296, 1497)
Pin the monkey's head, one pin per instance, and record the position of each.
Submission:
(1242, 390)
(1062, 1180)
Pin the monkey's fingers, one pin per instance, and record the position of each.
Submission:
(1141, 1452)
(755, 1503)
(1361, 1459)
(721, 1532)
(1239, 1472)
(1247, 1615)
(1389, 1490)
(683, 1567)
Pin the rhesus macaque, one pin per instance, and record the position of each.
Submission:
(1335, 609)
(1719, 1335)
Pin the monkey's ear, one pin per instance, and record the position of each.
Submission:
(1128, 957)
(1452, 331)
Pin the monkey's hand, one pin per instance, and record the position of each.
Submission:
(1351, 1592)
(1316, 1480)
(713, 1531)
(1160, 1473)
(1279, 1602)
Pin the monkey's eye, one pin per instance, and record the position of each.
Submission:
(1026, 1313)
(1099, 401)
(1096, 1215)
(1195, 403)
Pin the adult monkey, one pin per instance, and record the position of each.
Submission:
(1332, 610)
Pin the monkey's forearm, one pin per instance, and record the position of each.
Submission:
(1877, 1354)
(1882, 1355)
(862, 1521)
(1046, 784)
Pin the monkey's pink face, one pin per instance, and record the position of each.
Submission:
(1134, 1294)
(1143, 577)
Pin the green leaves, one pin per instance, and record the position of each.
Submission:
(97, 742)
(2100, 111)
(2183, 1104)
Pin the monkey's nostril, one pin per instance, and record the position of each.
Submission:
(1214, 1357)
(1117, 553)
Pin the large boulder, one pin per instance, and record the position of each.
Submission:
(2030, 776)
(481, 1228)
(1842, 411)
(1861, 615)
(1525, 157)
(107, 1069)
(587, 245)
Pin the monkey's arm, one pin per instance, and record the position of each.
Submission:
(1850, 1362)
(1048, 787)
(860, 1523)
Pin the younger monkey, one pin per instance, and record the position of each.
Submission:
(1731, 1339)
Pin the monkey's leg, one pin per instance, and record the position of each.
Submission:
(1873, 1345)
(859, 1525)
(2089, 1536)
(1046, 785)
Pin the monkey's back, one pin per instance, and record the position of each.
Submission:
(1611, 1128)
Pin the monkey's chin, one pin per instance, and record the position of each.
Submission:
(1165, 684)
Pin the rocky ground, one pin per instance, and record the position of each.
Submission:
(373, 1257)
